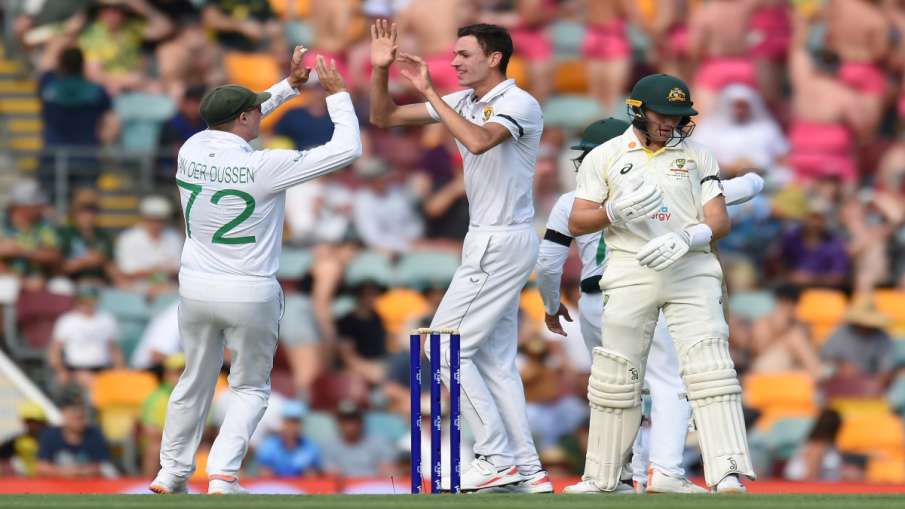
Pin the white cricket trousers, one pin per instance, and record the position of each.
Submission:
(250, 331)
(482, 302)
(670, 411)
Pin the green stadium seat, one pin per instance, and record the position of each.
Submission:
(123, 304)
(571, 111)
(751, 305)
(425, 269)
(896, 396)
(786, 435)
(369, 266)
(142, 116)
(342, 305)
(162, 302)
(294, 263)
(321, 428)
(388, 426)
(566, 37)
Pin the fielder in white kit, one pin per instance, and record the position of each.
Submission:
(661, 200)
(233, 202)
(657, 455)
(497, 127)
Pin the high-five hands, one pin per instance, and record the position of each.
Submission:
(383, 44)
(330, 79)
(298, 73)
(553, 323)
(417, 72)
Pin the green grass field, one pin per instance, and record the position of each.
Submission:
(447, 501)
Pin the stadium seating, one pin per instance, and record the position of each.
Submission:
(787, 434)
(751, 305)
(257, 71)
(823, 310)
(119, 396)
(571, 111)
(391, 427)
(423, 269)
(869, 433)
(892, 304)
(886, 468)
(162, 302)
(294, 263)
(142, 115)
(369, 266)
(566, 37)
(570, 77)
(131, 312)
(779, 396)
(36, 312)
(398, 306)
(896, 396)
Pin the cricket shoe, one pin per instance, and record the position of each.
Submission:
(729, 485)
(166, 484)
(658, 482)
(589, 487)
(640, 486)
(225, 485)
(536, 483)
(482, 475)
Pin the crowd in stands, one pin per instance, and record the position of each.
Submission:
(808, 94)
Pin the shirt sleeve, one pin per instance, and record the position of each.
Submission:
(711, 187)
(279, 93)
(451, 99)
(286, 168)
(554, 250)
(592, 184)
(520, 114)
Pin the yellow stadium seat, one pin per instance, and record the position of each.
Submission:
(892, 304)
(886, 468)
(570, 77)
(860, 406)
(257, 71)
(300, 8)
(532, 304)
(780, 395)
(517, 71)
(823, 310)
(398, 306)
(868, 433)
(118, 396)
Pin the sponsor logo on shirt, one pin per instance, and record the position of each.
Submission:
(662, 215)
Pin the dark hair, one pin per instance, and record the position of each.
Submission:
(826, 427)
(788, 292)
(492, 38)
(71, 62)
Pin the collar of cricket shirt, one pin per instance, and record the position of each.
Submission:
(632, 143)
(494, 92)
(228, 138)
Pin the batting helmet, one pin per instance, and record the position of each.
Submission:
(596, 134)
(663, 94)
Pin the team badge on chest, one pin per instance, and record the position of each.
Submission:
(488, 112)
(679, 169)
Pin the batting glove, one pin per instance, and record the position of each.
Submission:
(663, 251)
(643, 200)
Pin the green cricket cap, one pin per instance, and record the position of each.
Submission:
(227, 102)
(600, 132)
(664, 94)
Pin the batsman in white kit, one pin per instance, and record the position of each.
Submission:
(233, 202)
(497, 127)
(661, 201)
(656, 465)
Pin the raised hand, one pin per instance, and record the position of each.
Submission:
(383, 44)
(416, 72)
(328, 76)
(298, 72)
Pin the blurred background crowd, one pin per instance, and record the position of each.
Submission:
(97, 95)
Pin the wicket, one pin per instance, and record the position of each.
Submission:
(436, 414)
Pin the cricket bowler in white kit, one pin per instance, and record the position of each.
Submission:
(661, 200)
(497, 127)
(233, 202)
(657, 452)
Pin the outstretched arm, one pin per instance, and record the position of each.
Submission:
(384, 111)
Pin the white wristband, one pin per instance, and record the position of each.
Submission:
(609, 212)
(699, 235)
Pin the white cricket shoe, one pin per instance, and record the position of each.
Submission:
(589, 487)
(729, 485)
(224, 485)
(166, 484)
(658, 482)
(482, 475)
(535, 483)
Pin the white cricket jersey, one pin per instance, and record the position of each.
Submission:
(687, 175)
(554, 250)
(498, 183)
(233, 201)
